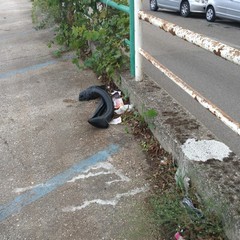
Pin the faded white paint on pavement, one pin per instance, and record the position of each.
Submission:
(107, 167)
(113, 201)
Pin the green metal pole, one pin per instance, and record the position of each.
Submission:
(132, 39)
(116, 5)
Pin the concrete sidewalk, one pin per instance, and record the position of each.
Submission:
(60, 177)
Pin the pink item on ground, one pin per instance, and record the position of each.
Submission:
(178, 236)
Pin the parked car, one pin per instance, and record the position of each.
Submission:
(185, 7)
(229, 9)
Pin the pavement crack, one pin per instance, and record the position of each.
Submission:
(5, 142)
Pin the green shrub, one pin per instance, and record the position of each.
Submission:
(85, 21)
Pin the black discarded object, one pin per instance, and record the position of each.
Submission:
(104, 111)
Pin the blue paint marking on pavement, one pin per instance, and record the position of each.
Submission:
(26, 69)
(41, 190)
(33, 67)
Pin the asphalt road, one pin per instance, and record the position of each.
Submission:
(215, 78)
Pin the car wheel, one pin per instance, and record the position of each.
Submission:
(153, 5)
(210, 14)
(185, 9)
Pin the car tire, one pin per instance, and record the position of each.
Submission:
(210, 14)
(185, 9)
(153, 5)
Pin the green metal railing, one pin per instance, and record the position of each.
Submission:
(130, 10)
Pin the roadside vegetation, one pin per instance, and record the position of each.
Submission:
(80, 23)
(77, 24)
(166, 203)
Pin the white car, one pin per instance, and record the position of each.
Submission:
(229, 9)
(185, 7)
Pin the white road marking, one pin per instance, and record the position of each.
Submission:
(113, 201)
(108, 169)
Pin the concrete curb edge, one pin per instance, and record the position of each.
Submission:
(216, 180)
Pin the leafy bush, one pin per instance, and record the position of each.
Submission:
(88, 21)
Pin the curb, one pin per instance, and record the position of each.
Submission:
(213, 169)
